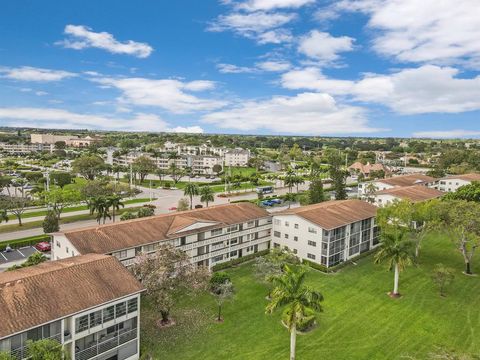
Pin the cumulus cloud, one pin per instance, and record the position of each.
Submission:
(441, 32)
(28, 73)
(274, 65)
(305, 113)
(169, 94)
(64, 119)
(82, 37)
(447, 134)
(427, 89)
(324, 47)
(234, 69)
(269, 66)
(254, 5)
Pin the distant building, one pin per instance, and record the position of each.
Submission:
(25, 148)
(49, 138)
(453, 182)
(237, 157)
(89, 304)
(209, 236)
(396, 181)
(413, 193)
(366, 169)
(82, 142)
(327, 233)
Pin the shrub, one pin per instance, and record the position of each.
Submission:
(237, 261)
(218, 278)
(50, 223)
(145, 211)
(128, 215)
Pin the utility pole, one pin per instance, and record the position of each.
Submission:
(131, 176)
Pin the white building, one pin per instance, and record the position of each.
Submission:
(209, 236)
(90, 304)
(395, 181)
(237, 157)
(453, 182)
(327, 233)
(49, 138)
(25, 148)
(414, 193)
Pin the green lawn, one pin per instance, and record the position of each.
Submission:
(359, 320)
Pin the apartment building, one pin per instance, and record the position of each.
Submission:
(209, 236)
(90, 304)
(414, 193)
(453, 182)
(395, 181)
(25, 148)
(49, 138)
(237, 157)
(327, 233)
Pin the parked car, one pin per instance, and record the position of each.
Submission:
(43, 246)
(276, 201)
(268, 203)
(173, 208)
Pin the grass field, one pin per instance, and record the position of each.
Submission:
(359, 320)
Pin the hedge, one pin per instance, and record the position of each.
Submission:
(237, 261)
(28, 241)
(335, 268)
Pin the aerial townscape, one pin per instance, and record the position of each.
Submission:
(240, 180)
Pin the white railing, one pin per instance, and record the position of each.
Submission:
(100, 347)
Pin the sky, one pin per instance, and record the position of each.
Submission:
(376, 68)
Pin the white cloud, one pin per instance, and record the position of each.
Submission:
(28, 73)
(41, 93)
(274, 65)
(254, 5)
(168, 94)
(82, 37)
(324, 47)
(64, 119)
(427, 89)
(428, 31)
(447, 134)
(234, 69)
(259, 25)
(188, 129)
(305, 113)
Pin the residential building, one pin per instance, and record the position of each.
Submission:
(395, 181)
(237, 157)
(366, 169)
(82, 142)
(25, 148)
(327, 233)
(209, 236)
(453, 182)
(49, 138)
(90, 304)
(414, 193)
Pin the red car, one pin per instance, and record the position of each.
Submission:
(173, 208)
(43, 246)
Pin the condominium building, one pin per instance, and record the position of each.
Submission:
(327, 233)
(209, 236)
(237, 157)
(49, 138)
(89, 304)
(414, 193)
(395, 181)
(25, 148)
(453, 182)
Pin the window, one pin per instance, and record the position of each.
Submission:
(295, 238)
(233, 253)
(296, 226)
(251, 224)
(310, 256)
(234, 241)
(66, 250)
(276, 246)
(312, 243)
(132, 305)
(95, 318)
(120, 309)
(286, 236)
(295, 251)
(108, 313)
(312, 230)
(58, 244)
(232, 228)
(216, 232)
(217, 258)
(287, 223)
(183, 240)
(276, 234)
(81, 323)
(277, 222)
(149, 248)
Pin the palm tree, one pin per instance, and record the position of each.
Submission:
(115, 201)
(290, 197)
(100, 206)
(299, 180)
(300, 302)
(191, 189)
(290, 179)
(397, 252)
(207, 195)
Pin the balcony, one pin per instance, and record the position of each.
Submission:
(119, 338)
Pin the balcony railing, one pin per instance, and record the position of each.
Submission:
(100, 347)
(22, 353)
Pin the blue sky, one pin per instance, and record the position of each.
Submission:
(299, 67)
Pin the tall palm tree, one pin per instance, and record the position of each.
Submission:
(191, 190)
(290, 179)
(299, 180)
(115, 201)
(207, 195)
(300, 302)
(100, 206)
(290, 197)
(397, 252)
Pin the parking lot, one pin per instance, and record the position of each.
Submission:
(16, 254)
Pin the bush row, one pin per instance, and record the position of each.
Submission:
(237, 261)
(18, 243)
(335, 268)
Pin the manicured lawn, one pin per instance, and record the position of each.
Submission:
(359, 320)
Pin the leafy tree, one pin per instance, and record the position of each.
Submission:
(34, 259)
(6, 356)
(60, 145)
(300, 302)
(470, 192)
(3, 215)
(60, 198)
(50, 223)
(442, 276)
(218, 277)
(290, 197)
(88, 166)
(34, 176)
(223, 292)
(115, 202)
(370, 191)
(146, 211)
(61, 178)
(175, 173)
(16, 205)
(338, 176)
(315, 191)
(46, 349)
(207, 195)
(397, 252)
(191, 190)
(143, 165)
(217, 169)
(167, 274)
(183, 204)
(298, 181)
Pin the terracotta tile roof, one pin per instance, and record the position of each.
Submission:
(407, 180)
(367, 168)
(413, 193)
(334, 213)
(105, 239)
(38, 294)
(466, 177)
